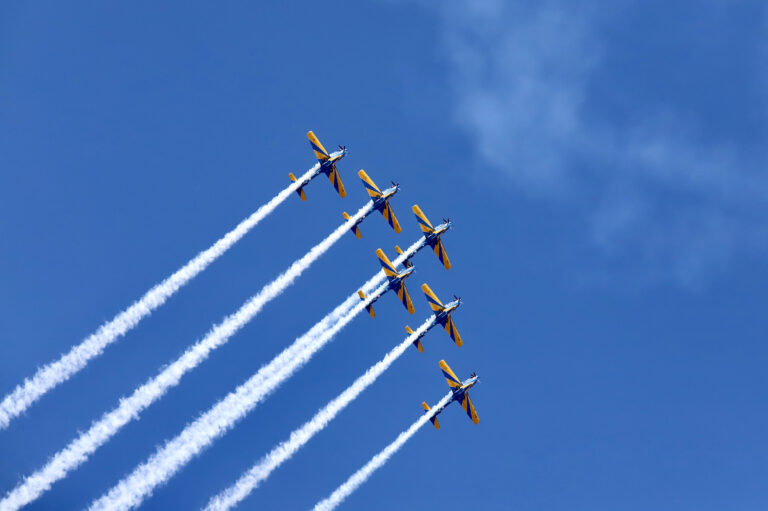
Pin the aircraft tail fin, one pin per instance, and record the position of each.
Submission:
(300, 191)
(368, 307)
(417, 342)
(433, 420)
(355, 228)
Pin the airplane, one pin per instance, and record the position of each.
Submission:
(432, 235)
(396, 283)
(417, 341)
(460, 394)
(327, 166)
(443, 313)
(380, 203)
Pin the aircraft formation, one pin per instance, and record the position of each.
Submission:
(432, 238)
(199, 434)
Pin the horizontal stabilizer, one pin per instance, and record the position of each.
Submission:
(407, 263)
(300, 191)
(417, 342)
(368, 307)
(355, 228)
(433, 420)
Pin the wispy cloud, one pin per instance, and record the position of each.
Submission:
(668, 198)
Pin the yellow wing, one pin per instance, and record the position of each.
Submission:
(389, 270)
(422, 219)
(440, 252)
(335, 179)
(434, 303)
(450, 327)
(450, 377)
(466, 403)
(405, 298)
(369, 185)
(389, 216)
(320, 153)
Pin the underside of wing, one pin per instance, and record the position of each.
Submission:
(466, 403)
(390, 217)
(335, 179)
(405, 298)
(440, 253)
(450, 327)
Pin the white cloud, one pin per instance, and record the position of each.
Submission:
(672, 203)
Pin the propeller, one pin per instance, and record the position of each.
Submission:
(342, 148)
(446, 220)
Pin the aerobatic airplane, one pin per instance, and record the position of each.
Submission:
(460, 394)
(432, 235)
(327, 166)
(443, 313)
(396, 283)
(447, 312)
(380, 203)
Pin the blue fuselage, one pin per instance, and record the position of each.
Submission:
(442, 315)
(394, 283)
(458, 394)
(434, 236)
(380, 203)
(327, 165)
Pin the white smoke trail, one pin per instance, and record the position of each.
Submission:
(110, 423)
(362, 475)
(285, 450)
(51, 375)
(176, 453)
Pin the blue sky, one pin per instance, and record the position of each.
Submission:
(605, 170)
